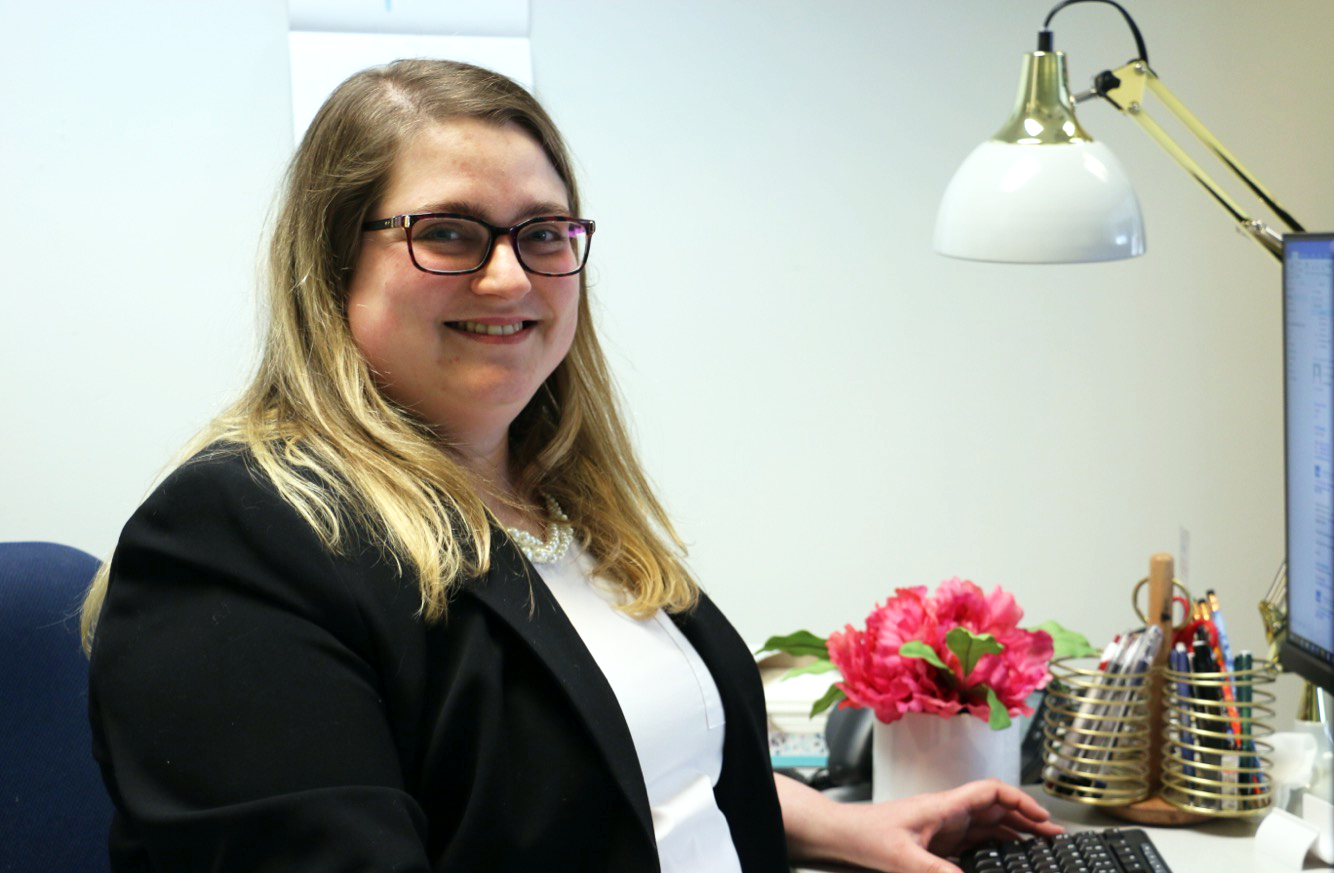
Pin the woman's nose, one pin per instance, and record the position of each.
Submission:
(502, 274)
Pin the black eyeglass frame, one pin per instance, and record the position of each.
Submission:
(407, 220)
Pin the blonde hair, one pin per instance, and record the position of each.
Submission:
(341, 453)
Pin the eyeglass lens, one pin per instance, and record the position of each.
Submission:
(460, 245)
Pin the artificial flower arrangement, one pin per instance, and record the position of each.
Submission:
(956, 651)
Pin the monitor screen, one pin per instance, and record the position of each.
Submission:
(1308, 364)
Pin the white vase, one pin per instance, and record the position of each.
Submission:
(921, 753)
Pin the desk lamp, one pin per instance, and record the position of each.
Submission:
(1043, 191)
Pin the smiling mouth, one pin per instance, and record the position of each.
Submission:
(489, 329)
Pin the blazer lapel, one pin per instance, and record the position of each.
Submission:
(515, 592)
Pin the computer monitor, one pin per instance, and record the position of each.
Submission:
(1308, 365)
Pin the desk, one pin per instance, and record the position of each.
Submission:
(1217, 846)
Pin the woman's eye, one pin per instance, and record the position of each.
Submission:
(438, 233)
(545, 234)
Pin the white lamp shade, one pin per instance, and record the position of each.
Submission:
(1040, 204)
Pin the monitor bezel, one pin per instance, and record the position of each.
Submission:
(1292, 656)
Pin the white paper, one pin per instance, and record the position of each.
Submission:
(1285, 838)
(321, 61)
(437, 17)
(1319, 814)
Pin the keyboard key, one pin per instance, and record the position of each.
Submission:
(1112, 850)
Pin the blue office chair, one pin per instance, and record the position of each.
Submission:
(54, 811)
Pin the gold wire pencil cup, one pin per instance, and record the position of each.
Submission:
(1215, 760)
(1096, 733)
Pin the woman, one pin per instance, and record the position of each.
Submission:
(411, 604)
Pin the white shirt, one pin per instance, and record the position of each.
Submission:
(671, 706)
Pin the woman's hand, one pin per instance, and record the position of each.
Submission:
(907, 836)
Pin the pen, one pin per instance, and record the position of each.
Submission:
(1118, 659)
(1206, 620)
(1059, 761)
(1132, 671)
(1208, 716)
(1111, 653)
(1216, 613)
(1179, 661)
(1101, 715)
(1150, 641)
(1208, 634)
(1245, 689)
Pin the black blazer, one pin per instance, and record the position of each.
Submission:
(260, 704)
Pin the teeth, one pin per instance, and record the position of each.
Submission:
(491, 329)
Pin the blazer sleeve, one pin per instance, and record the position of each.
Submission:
(235, 689)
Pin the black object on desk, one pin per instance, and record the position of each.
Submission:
(1112, 850)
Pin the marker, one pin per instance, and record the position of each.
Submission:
(1245, 692)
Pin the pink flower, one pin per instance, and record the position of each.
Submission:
(877, 676)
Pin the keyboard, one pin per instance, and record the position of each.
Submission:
(1111, 850)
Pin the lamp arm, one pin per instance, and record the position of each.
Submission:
(1125, 88)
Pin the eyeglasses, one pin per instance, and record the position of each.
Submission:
(449, 245)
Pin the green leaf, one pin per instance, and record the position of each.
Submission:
(799, 644)
(813, 667)
(999, 718)
(1067, 643)
(832, 696)
(919, 649)
(969, 647)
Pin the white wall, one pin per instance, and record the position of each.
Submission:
(139, 148)
(830, 409)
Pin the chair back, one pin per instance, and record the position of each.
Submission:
(54, 810)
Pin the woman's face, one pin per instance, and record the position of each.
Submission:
(467, 352)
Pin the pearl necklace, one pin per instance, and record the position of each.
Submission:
(560, 533)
